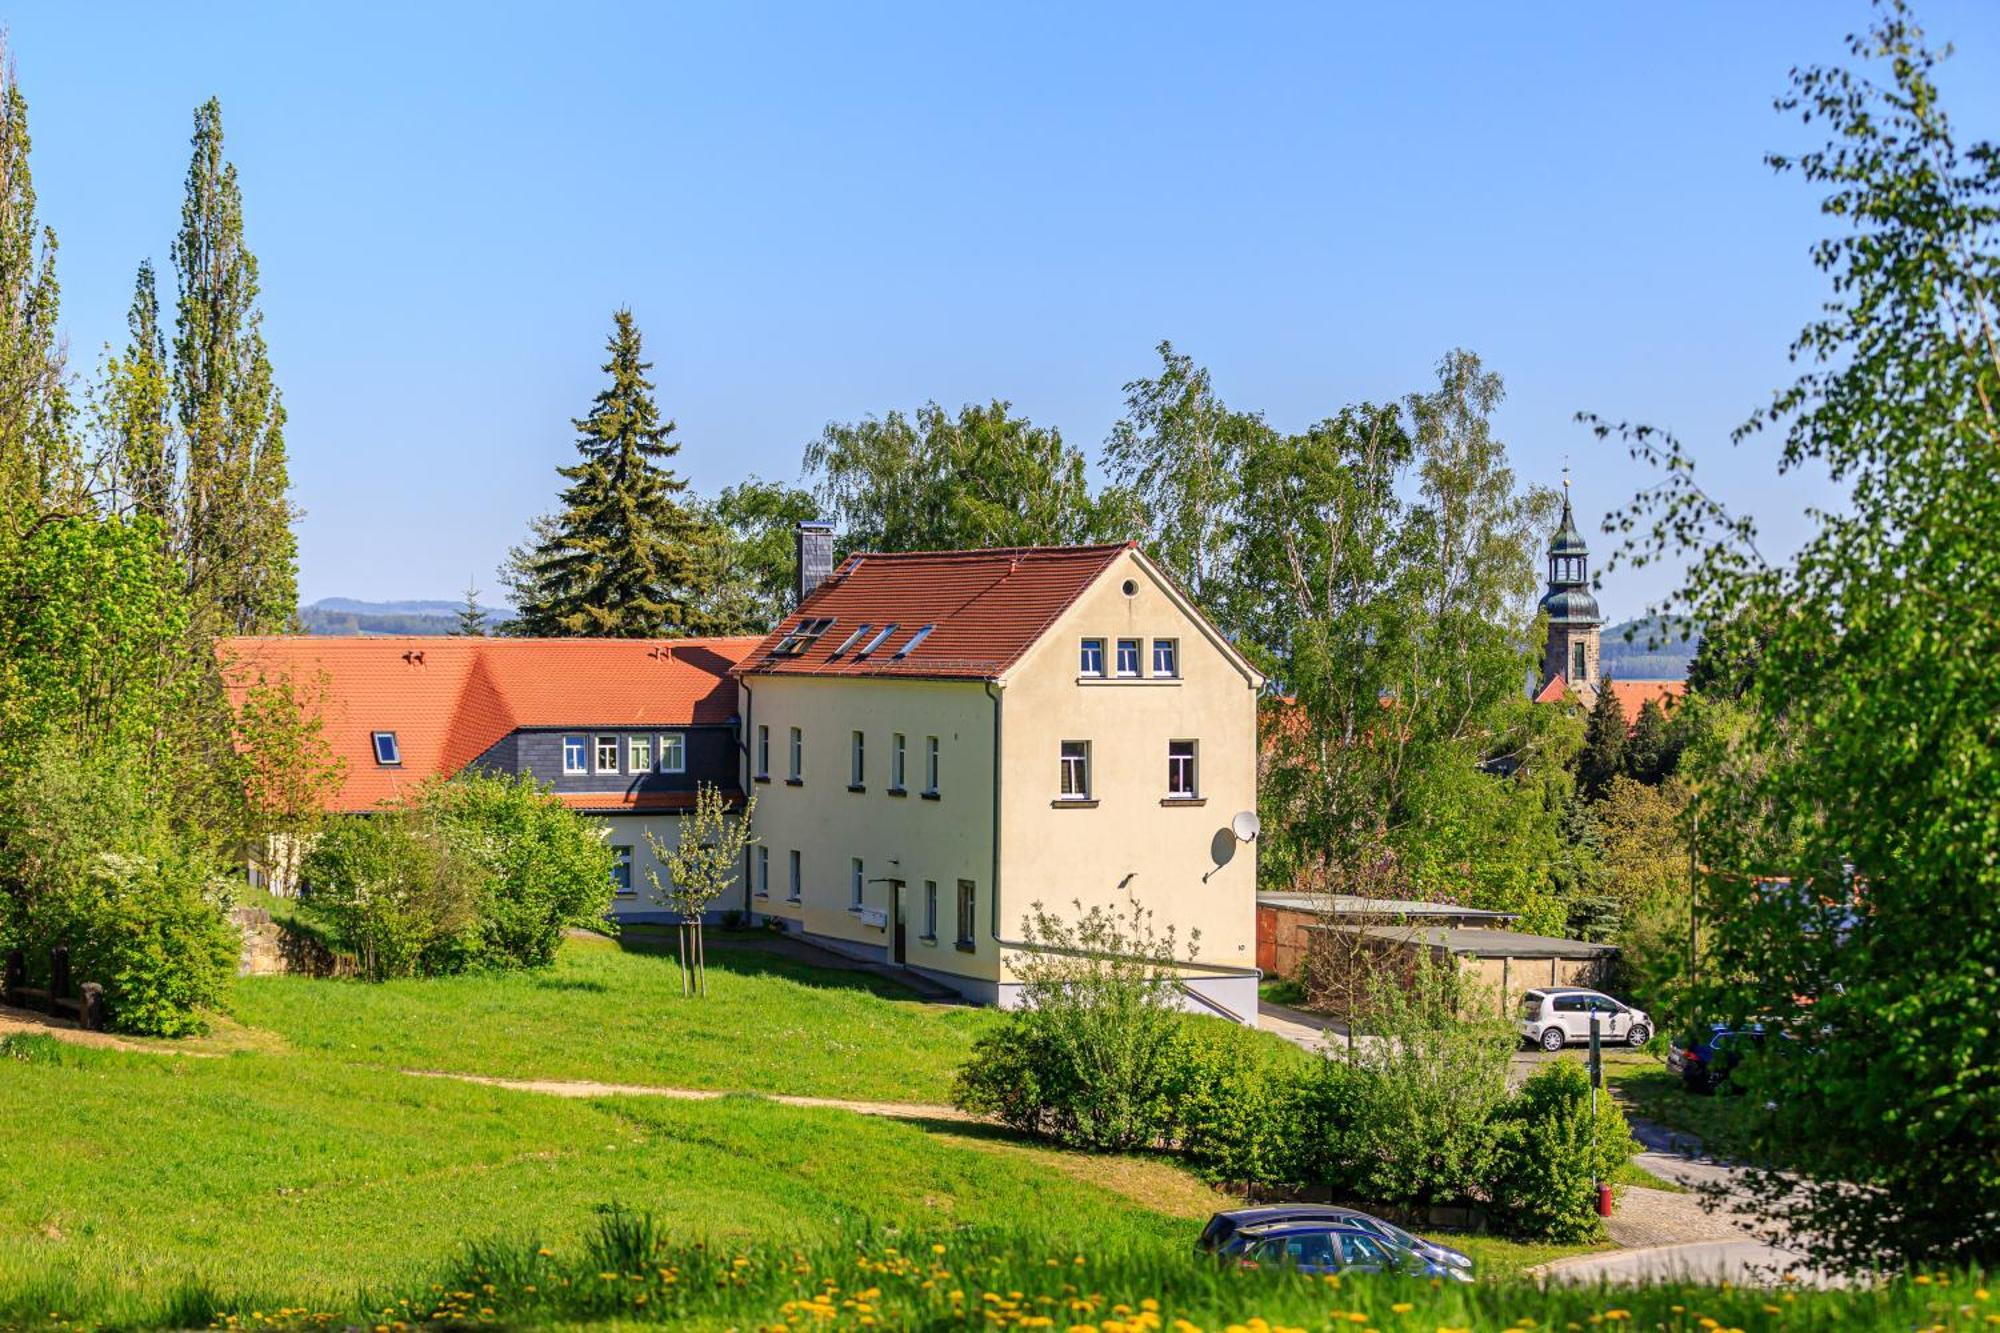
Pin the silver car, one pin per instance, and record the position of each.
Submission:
(1554, 1016)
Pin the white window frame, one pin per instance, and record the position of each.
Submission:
(1073, 783)
(1085, 651)
(582, 752)
(763, 750)
(795, 756)
(677, 742)
(932, 763)
(857, 884)
(857, 759)
(1171, 650)
(930, 911)
(898, 761)
(796, 889)
(1138, 648)
(763, 871)
(1192, 762)
(621, 860)
(598, 755)
(633, 744)
(968, 912)
(395, 747)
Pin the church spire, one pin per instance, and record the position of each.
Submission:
(1574, 620)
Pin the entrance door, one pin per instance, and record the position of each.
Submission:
(896, 918)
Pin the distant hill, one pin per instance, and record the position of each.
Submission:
(1656, 650)
(347, 615)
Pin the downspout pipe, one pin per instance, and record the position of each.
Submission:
(743, 744)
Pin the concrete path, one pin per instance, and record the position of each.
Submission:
(1676, 1237)
(585, 1088)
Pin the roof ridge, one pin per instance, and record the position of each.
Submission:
(989, 552)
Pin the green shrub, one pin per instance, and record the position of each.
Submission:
(1092, 1057)
(1548, 1163)
(393, 894)
(156, 936)
(1231, 1102)
(544, 868)
(102, 872)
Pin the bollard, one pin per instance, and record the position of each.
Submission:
(90, 1013)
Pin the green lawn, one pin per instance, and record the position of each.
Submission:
(615, 1014)
(304, 1181)
(1653, 1093)
(288, 1163)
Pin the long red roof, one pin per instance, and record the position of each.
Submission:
(985, 609)
(449, 699)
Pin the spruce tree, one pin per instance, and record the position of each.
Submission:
(625, 559)
(1650, 753)
(1603, 756)
(239, 551)
(39, 469)
(471, 616)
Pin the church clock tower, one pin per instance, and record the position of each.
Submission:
(1574, 620)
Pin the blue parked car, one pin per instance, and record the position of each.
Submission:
(1705, 1059)
(1224, 1225)
(1319, 1248)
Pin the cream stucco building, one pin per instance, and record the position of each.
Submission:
(939, 741)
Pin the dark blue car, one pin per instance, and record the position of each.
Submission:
(1320, 1248)
(1706, 1058)
(1221, 1227)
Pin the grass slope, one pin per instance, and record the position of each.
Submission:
(615, 1014)
(308, 1182)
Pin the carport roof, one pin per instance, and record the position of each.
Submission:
(1481, 942)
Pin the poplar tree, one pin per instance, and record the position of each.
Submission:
(135, 413)
(37, 458)
(625, 558)
(239, 551)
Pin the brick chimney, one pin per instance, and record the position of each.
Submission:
(815, 552)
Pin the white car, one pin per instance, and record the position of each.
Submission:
(1555, 1016)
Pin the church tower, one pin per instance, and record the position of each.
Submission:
(1574, 620)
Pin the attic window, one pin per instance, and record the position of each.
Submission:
(915, 639)
(387, 752)
(852, 639)
(802, 637)
(878, 640)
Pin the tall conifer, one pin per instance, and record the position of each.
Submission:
(625, 557)
(241, 557)
(1603, 756)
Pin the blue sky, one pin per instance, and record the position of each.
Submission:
(823, 212)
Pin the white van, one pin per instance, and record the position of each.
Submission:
(1553, 1018)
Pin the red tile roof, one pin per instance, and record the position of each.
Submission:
(448, 700)
(1632, 694)
(987, 609)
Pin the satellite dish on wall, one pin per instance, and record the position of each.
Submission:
(1245, 825)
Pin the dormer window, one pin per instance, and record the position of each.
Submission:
(387, 753)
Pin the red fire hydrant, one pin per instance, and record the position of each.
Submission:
(1603, 1199)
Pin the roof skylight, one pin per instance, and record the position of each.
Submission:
(915, 639)
(852, 639)
(878, 640)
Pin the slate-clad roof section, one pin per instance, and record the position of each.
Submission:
(987, 608)
(450, 700)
